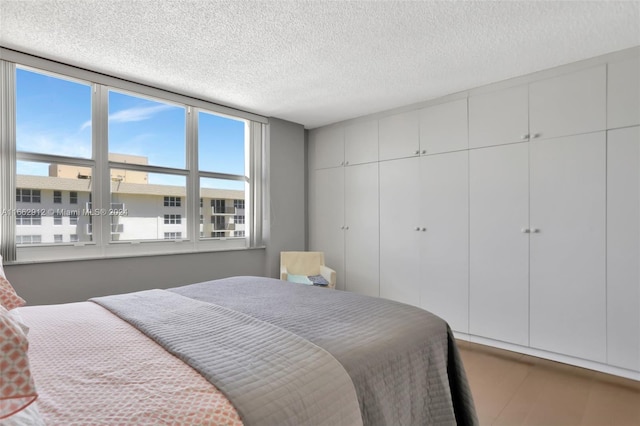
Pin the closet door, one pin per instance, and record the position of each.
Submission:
(569, 104)
(399, 135)
(328, 224)
(623, 248)
(499, 243)
(362, 256)
(328, 143)
(361, 143)
(568, 293)
(500, 117)
(623, 94)
(444, 127)
(400, 230)
(444, 236)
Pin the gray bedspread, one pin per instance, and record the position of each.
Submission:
(271, 376)
(402, 360)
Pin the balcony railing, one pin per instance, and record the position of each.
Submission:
(223, 210)
(116, 228)
(112, 206)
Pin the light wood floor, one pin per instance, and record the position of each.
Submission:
(514, 389)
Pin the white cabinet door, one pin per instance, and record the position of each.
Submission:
(569, 104)
(623, 248)
(444, 276)
(362, 256)
(499, 243)
(623, 94)
(400, 230)
(500, 117)
(328, 224)
(567, 279)
(399, 135)
(444, 127)
(328, 143)
(361, 143)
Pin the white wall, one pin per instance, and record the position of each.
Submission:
(284, 228)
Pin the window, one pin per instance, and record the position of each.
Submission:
(172, 235)
(218, 206)
(158, 129)
(238, 219)
(28, 239)
(172, 219)
(74, 238)
(218, 222)
(61, 116)
(28, 219)
(27, 195)
(238, 234)
(172, 201)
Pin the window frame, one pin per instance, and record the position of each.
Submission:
(101, 245)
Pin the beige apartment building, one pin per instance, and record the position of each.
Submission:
(58, 209)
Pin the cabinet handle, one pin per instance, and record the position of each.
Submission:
(525, 230)
(417, 152)
(417, 228)
(536, 135)
(535, 230)
(342, 163)
(525, 136)
(346, 227)
(346, 163)
(424, 229)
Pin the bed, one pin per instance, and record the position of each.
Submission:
(241, 350)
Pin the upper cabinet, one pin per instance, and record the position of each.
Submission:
(361, 143)
(399, 135)
(623, 96)
(339, 146)
(329, 147)
(499, 117)
(443, 128)
(570, 104)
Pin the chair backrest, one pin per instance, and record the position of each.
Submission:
(302, 262)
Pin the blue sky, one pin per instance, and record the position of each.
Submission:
(54, 117)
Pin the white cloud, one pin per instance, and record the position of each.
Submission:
(137, 114)
(131, 114)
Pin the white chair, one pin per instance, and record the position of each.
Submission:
(295, 266)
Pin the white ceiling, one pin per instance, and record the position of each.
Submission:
(317, 62)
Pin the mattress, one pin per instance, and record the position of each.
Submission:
(173, 357)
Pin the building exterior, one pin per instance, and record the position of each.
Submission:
(57, 209)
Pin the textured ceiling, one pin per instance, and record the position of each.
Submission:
(317, 62)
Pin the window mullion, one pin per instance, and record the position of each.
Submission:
(193, 180)
(101, 181)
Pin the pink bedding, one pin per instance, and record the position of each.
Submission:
(91, 367)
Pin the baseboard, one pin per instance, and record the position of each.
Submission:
(565, 359)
